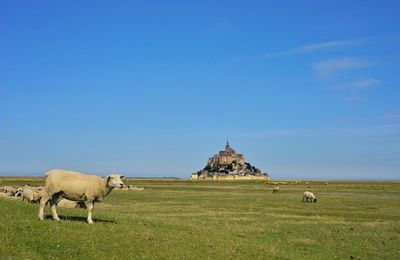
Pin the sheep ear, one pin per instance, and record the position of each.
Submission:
(108, 179)
(122, 176)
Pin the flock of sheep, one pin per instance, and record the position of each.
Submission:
(32, 194)
(76, 190)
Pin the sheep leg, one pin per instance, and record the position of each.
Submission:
(53, 204)
(90, 206)
(43, 202)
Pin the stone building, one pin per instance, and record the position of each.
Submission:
(226, 157)
(229, 165)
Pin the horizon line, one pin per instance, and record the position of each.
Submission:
(272, 179)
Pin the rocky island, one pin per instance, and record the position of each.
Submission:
(229, 165)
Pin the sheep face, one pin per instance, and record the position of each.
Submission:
(115, 181)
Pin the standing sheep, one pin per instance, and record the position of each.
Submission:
(309, 197)
(276, 190)
(77, 187)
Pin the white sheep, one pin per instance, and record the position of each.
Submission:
(276, 190)
(309, 197)
(64, 203)
(3, 189)
(30, 194)
(18, 192)
(37, 188)
(77, 187)
(9, 190)
(136, 188)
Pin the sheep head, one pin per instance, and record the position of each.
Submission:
(115, 181)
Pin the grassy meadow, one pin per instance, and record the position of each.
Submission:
(187, 219)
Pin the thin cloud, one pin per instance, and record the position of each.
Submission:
(330, 67)
(364, 83)
(326, 45)
(357, 85)
(394, 117)
(312, 47)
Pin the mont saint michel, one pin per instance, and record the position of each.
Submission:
(230, 165)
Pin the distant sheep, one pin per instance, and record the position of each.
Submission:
(131, 187)
(77, 187)
(37, 188)
(30, 194)
(4, 189)
(18, 192)
(276, 190)
(136, 188)
(309, 197)
(8, 190)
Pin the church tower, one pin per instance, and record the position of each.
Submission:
(228, 164)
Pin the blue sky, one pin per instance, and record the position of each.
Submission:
(304, 89)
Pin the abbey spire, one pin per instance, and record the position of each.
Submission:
(227, 145)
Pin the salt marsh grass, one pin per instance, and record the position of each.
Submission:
(183, 219)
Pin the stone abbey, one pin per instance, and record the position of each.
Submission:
(230, 165)
(226, 157)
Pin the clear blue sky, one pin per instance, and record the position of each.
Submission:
(304, 89)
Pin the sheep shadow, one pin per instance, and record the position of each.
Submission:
(79, 218)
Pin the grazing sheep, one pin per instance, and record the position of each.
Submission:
(31, 195)
(125, 187)
(131, 187)
(136, 188)
(276, 190)
(309, 197)
(36, 188)
(18, 192)
(77, 187)
(8, 190)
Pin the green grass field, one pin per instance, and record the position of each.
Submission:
(186, 219)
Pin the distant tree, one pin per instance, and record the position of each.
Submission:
(207, 168)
